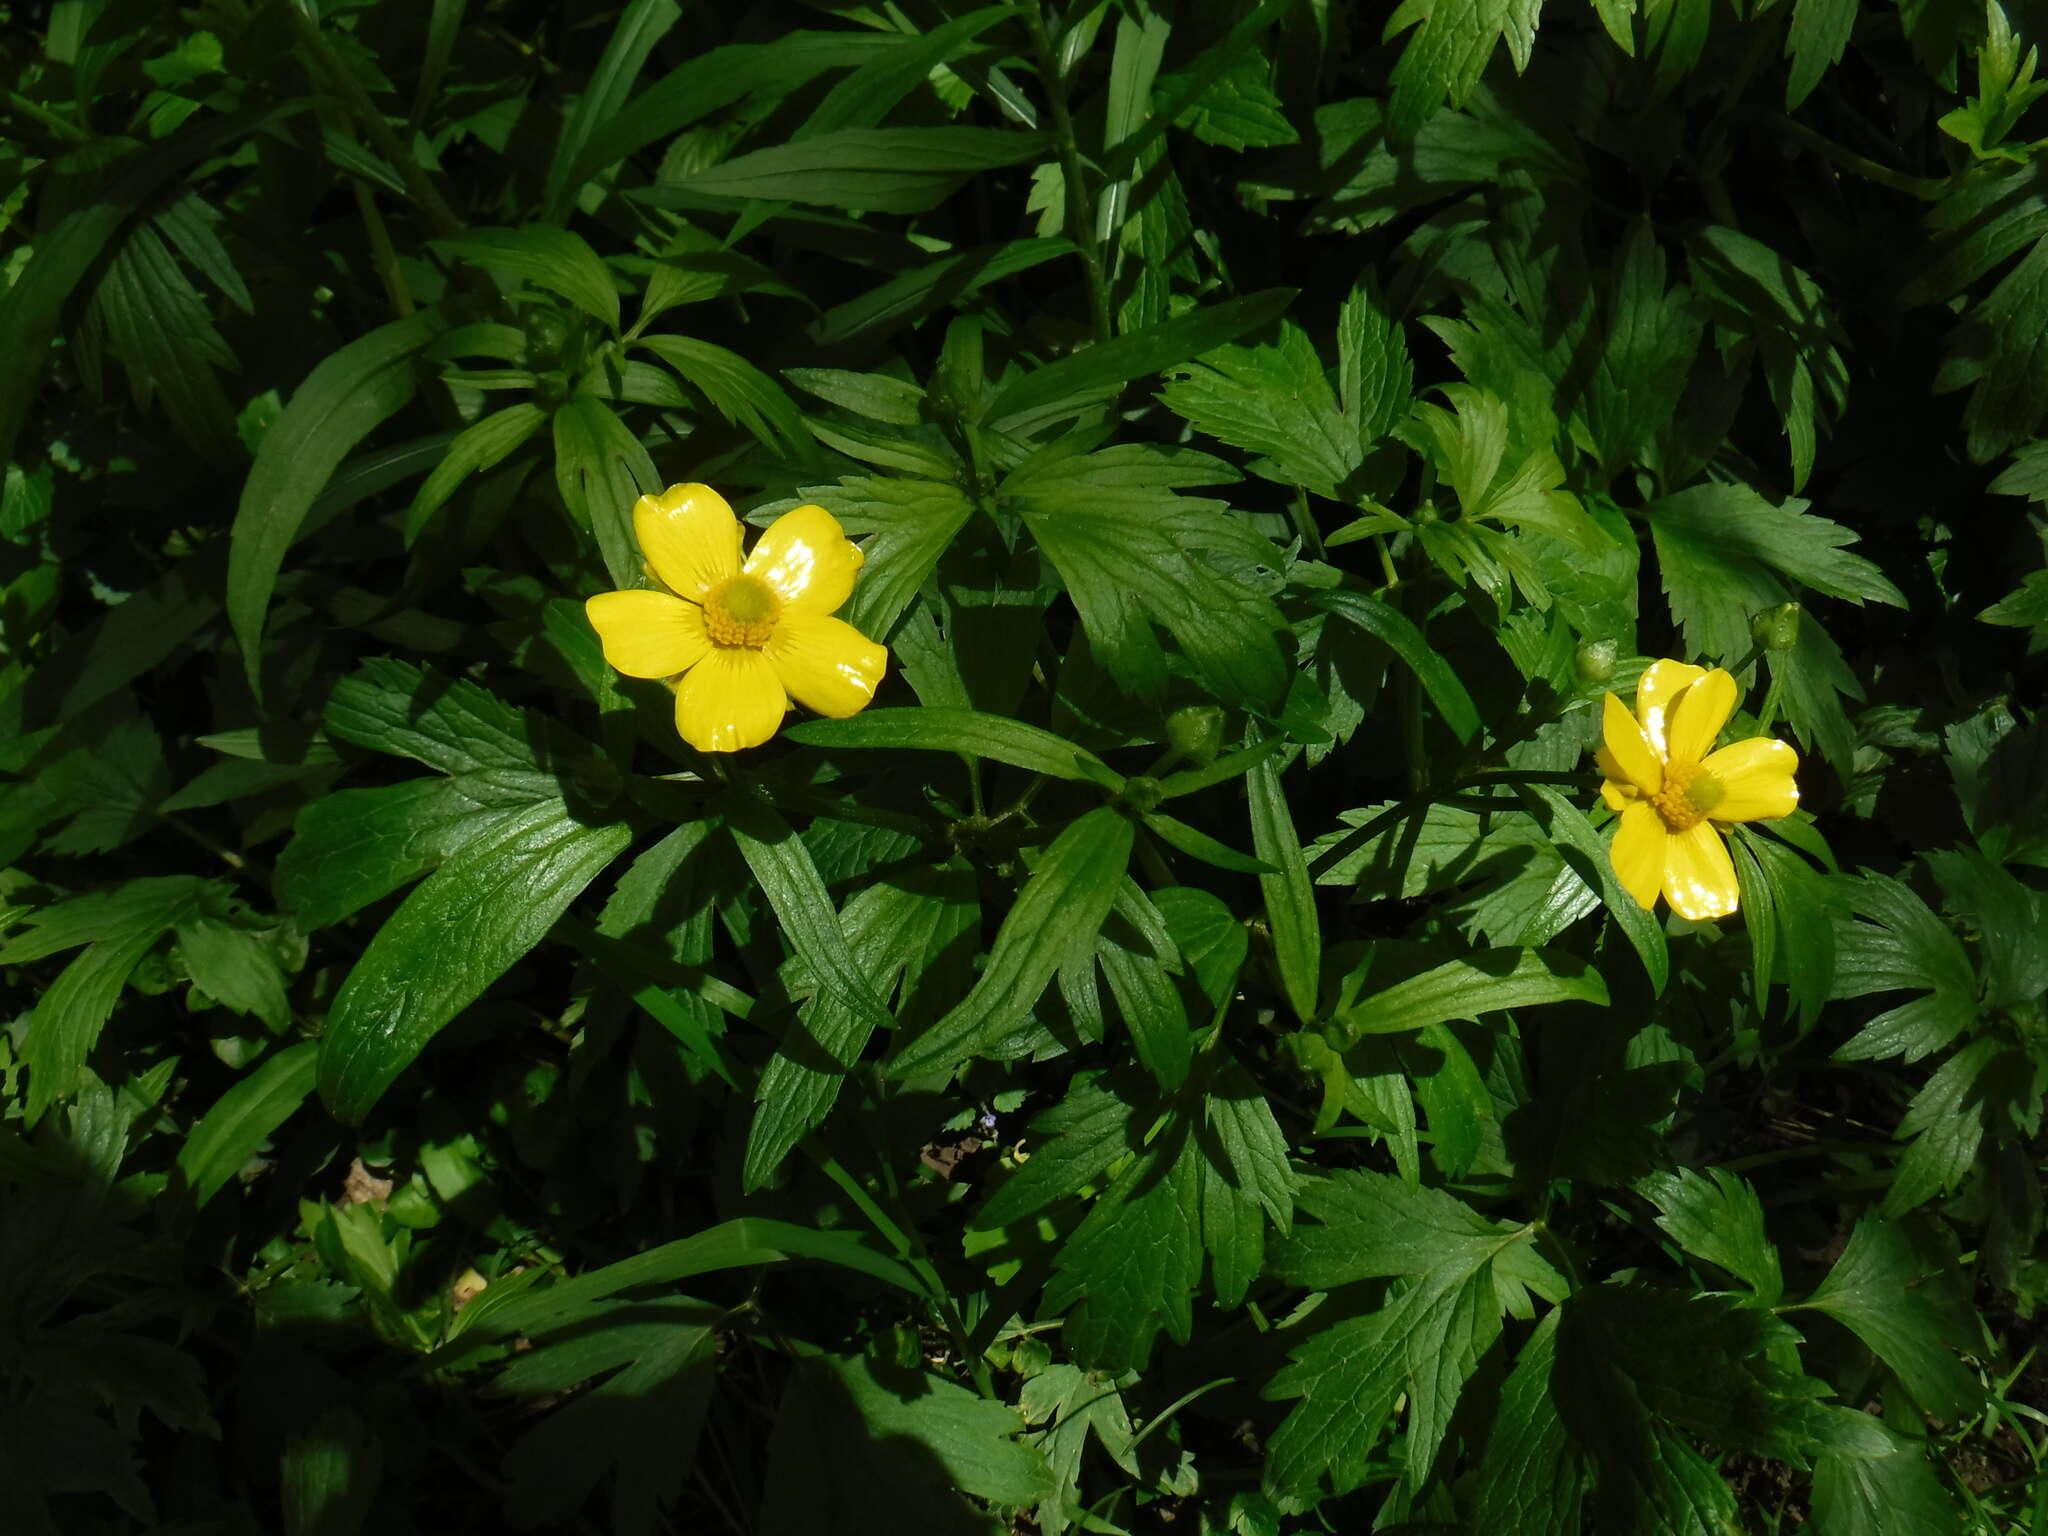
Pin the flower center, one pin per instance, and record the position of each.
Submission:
(1689, 793)
(740, 613)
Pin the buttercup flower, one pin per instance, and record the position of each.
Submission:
(739, 639)
(1675, 792)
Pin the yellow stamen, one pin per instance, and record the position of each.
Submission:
(740, 613)
(1689, 793)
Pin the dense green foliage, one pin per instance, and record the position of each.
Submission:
(1183, 1059)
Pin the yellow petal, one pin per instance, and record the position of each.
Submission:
(826, 664)
(806, 558)
(1699, 714)
(690, 538)
(1628, 751)
(1618, 794)
(1660, 685)
(1699, 877)
(648, 634)
(1637, 852)
(729, 700)
(1756, 780)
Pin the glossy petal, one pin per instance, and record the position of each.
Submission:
(648, 634)
(826, 664)
(1658, 689)
(805, 557)
(1699, 714)
(1638, 851)
(729, 700)
(1699, 877)
(1627, 749)
(1756, 780)
(1616, 790)
(690, 538)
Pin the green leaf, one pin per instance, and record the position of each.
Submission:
(118, 928)
(1453, 41)
(340, 403)
(357, 846)
(1398, 633)
(242, 1119)
(737, 390)
(1639, 1370)
(601, 470)
(908, 525)
(1464, 1271)
(504, 1312)
(1875, 1290)
(1896, 944)
(931, 285)
(1586, 852)
(966, 731)
(1897, 1494)
(1532, 1479)
(1154, 349)
(330, 1476)
(1275, 401)
(901, 928)
(1074, 1143)
(1289, 896)
(1208, 935)
(502, 892)
(32, 308)
(642, 25)
(1132, 1266)
(789, 880)
(1716, 1216)
(1946, 1122)
(1054, 921)
(1133, 552)
(1731, 525)
(483, 445)
(233, 966)
(866, 1448)
(2025, 607)
(455, 727)
(546, 256)
(1463, 989)
(881, 170)
(1375, 379)
(1815, 42)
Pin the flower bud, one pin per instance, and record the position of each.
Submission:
(1776, 629)
(1593, 661)
(1195, 732)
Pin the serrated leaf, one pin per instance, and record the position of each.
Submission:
(1874, 1290)
(1133, 552)
(601, 470)
(1132, 1266)
(1532, 1479)
(737, 390)
(1055, 919)
(1716, 1216)
(1137, 354)
(1899, 945)
(1276, 401)
(547, 256)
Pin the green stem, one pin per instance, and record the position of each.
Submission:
(1079, 206)
(382, 254)
(331, 72)
(1928, 189)
(70, 132)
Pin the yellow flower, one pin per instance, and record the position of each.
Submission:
(737, 640)
(1675, 793)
